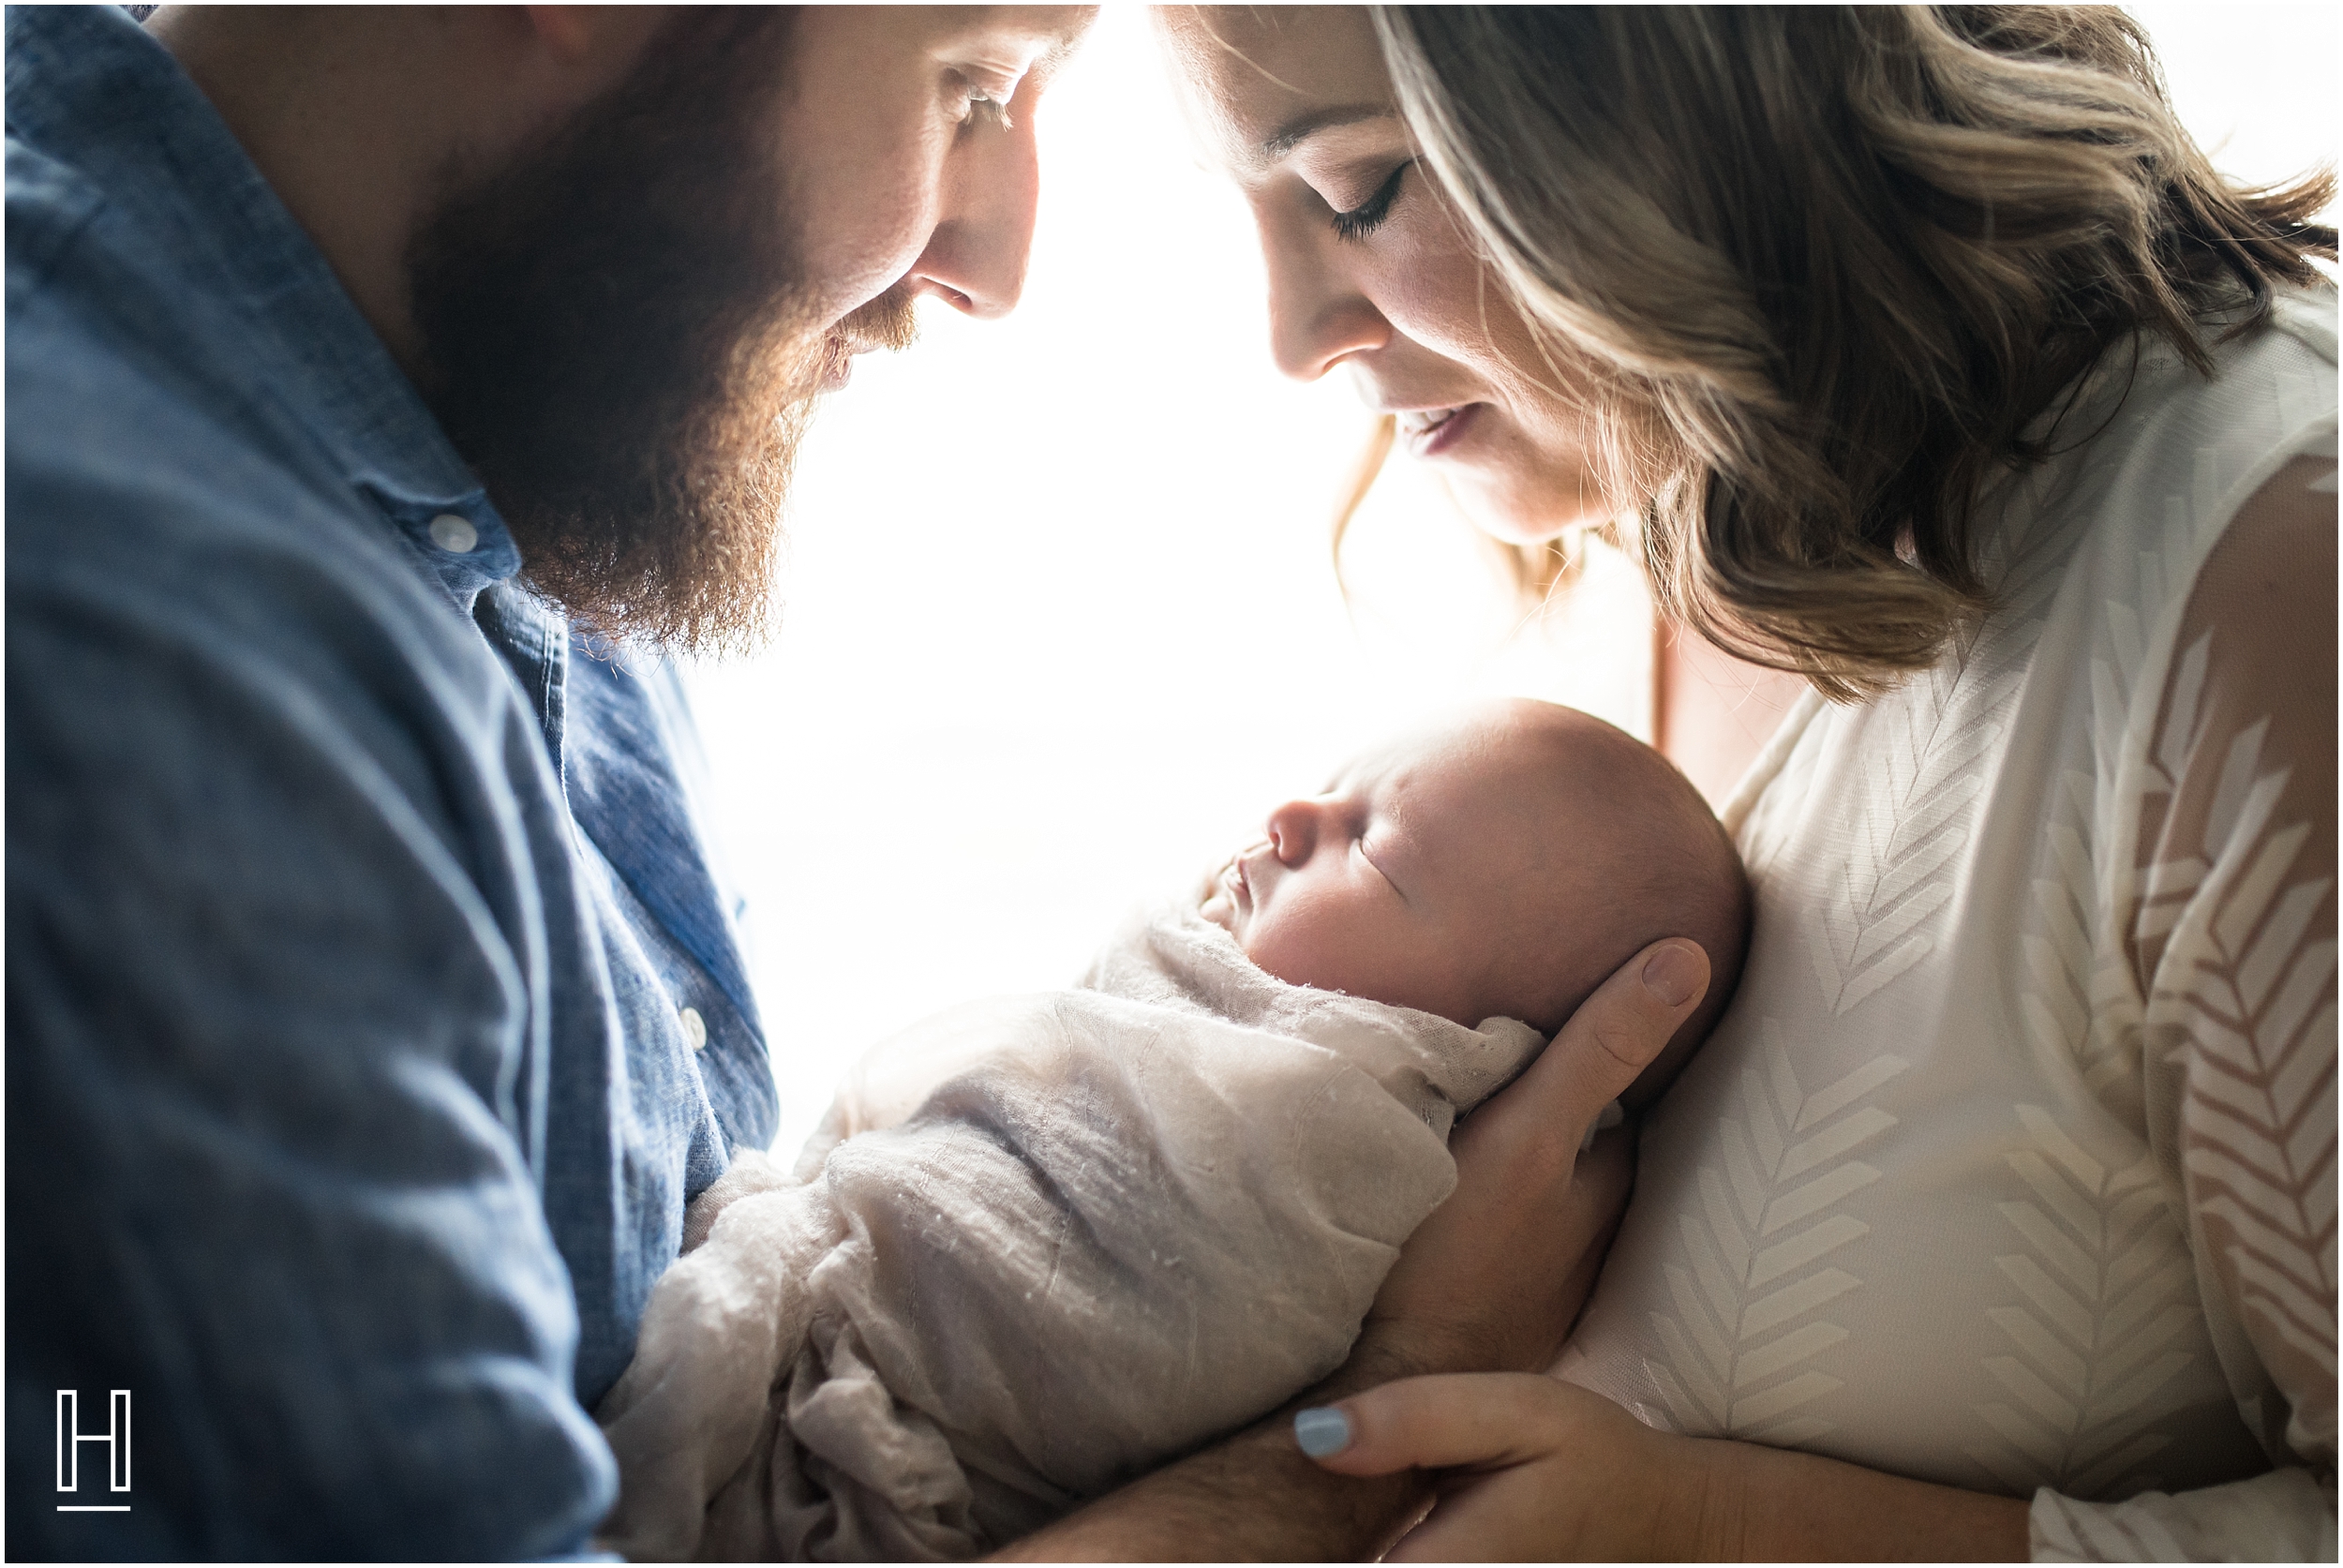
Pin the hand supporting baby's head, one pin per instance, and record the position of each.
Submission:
(1503, 865)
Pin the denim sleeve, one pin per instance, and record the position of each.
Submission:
(275, 1047)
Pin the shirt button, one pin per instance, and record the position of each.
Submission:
(453, 534)
(695, 1028)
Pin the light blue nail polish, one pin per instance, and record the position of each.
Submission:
(1321, 1431)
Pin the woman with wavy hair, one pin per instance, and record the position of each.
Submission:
(1957, 408)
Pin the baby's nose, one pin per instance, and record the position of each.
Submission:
(1293, 830)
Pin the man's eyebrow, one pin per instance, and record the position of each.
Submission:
(1060, 50)
(1311, 121)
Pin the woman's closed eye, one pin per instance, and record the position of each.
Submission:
(1367, 216)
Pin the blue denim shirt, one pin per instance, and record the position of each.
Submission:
(352, 903)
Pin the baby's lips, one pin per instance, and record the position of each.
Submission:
(1240, 884)
(1217, 897)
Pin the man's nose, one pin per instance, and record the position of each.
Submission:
(975, 255)
(1318, 315)
(1294, 829)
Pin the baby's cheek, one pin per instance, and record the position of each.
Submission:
(1264, 943)
(1364, 959)
(1301, 951)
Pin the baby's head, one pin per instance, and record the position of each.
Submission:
(1501, 866)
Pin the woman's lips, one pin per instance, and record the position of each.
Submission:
(1432, 431)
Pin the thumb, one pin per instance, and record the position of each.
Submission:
(1616, 1032)
(1469, 1421)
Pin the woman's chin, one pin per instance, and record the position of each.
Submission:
(1513, 513)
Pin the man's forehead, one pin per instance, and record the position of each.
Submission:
(1046, 34)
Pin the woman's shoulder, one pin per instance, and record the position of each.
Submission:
(2168, 425)
(2273, 383)
(2306, 315)
(2130, 508)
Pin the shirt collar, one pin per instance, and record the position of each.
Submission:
(88, 86)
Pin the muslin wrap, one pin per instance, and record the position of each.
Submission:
(1040, 1245)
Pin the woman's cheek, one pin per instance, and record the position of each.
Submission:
(1528, 475)
(1432, 288)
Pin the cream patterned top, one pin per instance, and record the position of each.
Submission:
(2013, 1164)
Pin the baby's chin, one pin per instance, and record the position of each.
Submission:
(1218, 903)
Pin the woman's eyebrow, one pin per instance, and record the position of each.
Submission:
(1311, 121)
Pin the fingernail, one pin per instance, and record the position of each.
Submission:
(1671, 974)
(1322, 1431)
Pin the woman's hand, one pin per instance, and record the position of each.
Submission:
(1529, 1467)
(1494, 1279)
(1533, 1469)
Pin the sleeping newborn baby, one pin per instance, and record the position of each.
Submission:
(1042, 1244)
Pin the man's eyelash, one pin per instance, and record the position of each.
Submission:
(1367, 216)
(985, 107)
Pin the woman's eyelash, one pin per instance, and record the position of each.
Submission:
(1365, 218)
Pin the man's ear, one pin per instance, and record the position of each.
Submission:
(575, 35)
(567, 30)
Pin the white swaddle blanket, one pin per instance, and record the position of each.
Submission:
(1042, 1244)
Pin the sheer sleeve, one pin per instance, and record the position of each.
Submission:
(2231, 937)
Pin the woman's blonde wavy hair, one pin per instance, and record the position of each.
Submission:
(1821, 272)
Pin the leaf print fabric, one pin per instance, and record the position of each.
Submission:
(2103, 1287)
(1759, 1248)
(2012, 1165)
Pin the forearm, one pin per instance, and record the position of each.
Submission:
(1757, 1503)
(1253, 1497)
(1249, 1496)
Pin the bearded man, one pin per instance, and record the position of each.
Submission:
(388, 393)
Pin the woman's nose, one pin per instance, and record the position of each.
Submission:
(1294, 829)
(1318, 314)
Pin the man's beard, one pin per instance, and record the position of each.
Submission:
(618, 339)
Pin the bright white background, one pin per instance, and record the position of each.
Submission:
(1058, 622)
